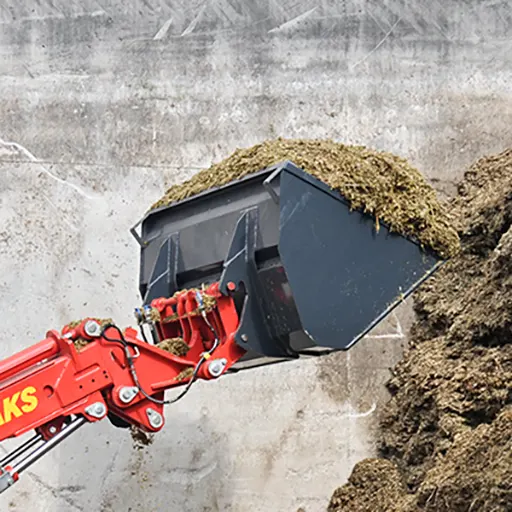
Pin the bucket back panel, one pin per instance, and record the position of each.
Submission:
(203, 228)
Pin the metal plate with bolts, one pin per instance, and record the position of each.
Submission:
(96, 410)
(154, 417)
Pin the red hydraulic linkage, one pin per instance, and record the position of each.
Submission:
(54, 388)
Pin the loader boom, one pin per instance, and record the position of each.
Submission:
(54, 388)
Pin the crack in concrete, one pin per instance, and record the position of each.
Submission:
(163, 30)
(382, 41)
(56, 492)
(187, 475)
(32, 158)
(103, 164)
(108, 469)
(294, 21)
(62, 217)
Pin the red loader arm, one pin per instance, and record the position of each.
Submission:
(54, 388)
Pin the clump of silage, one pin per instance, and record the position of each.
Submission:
(176, 346)
(80, 343)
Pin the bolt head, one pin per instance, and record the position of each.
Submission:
(216, 367)
(92, 328)
(99, 408)
(52, 430)
(155, 418)
(127, 394)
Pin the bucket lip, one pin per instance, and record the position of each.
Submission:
(291, 167)
(213, 190)
(283, 165)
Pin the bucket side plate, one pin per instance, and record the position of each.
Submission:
(345, 275)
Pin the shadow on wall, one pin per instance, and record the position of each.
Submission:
(183, 470)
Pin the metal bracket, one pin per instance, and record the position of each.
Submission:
(127, 394)
(92, 328)
(39, 451)
(96, 410)
(240, 267)
(154, 417)
(133, 231)
(163, 282)
(216, 367)
(143, 243)
(6, 479)
(271, 187)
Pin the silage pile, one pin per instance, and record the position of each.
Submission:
(378, 183)
(447, 431)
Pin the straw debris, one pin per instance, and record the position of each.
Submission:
(381, 184)
(176, 346)
(208, 304)
(80, 343)
(140, 438)
(185, 374)
(448, 427)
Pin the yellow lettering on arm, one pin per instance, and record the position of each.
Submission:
(11, 408)
(30, 402)
(1, 420)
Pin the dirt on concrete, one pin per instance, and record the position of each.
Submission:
(447, 431)
(381, 184)
(140, 438)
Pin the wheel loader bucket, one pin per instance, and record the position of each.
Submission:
(312, 275)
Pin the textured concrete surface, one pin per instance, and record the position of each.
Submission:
(103, 104)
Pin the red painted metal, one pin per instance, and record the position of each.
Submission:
(44, 384)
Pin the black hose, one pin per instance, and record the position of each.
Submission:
(133, 372)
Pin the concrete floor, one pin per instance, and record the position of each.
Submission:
(104, 104)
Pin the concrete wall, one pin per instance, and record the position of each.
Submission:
(104, 104)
